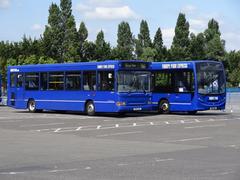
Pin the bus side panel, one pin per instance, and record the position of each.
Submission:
(175, 105)
(105, 101)
(57, 100)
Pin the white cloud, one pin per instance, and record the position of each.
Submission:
(188, 9)
(111, 13)
(198, 23)
(37, 27)
(106, 10)
(104, 2)
(168, 34)
(232, 39)
(83, 7)
(4, 3)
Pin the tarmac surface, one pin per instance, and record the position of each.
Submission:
(145, 146)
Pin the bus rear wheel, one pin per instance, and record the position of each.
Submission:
(164, 107)
(90, 108)
(32, 106)
(192, 112)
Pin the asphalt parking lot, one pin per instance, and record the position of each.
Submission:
(144, 146)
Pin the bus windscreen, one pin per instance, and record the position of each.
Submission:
(210, 78)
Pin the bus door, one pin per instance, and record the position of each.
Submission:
(183, 87)
(19, 87)
(105, 94)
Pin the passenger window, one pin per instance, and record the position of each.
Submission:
(43, 81)
(106, 80)
(73, 80)
(89, 80)
(19, 80)
(184, 81)
(56, 81)
(32, 81)
(163, 82)
(12, 80)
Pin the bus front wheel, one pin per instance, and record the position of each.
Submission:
(192, 112)
(164, 107)
(32, 106)
(90, 108)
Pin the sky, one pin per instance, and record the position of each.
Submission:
(29, 17)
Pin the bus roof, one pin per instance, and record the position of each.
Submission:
(107, 64)
(177, 64)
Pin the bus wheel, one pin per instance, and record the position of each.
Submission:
(32, 106)
(90, 108)
(164, 107)
(192, 112)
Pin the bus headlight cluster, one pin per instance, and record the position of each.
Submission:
(149, 102)
(119, 103)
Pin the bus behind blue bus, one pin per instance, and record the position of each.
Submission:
(108, 86)
(189, 86)
(0, 87)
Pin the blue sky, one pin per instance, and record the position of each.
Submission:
(18, 17)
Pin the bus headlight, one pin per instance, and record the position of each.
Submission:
(121, 103)
(149, 102)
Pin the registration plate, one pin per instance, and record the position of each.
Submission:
(137, 109)
(213, 108)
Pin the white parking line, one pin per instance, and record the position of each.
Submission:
(190, 139)
(47, 124)
(62, 170)
(117, 134)
(216, 125)
(163, 160)
(57, 130)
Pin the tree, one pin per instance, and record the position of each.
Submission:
(158, 45)
(70, 43)
(89, 51)
(215, 46)
(52, 36)
(180, 44)
(69, 32)
(144, 39)
(124, 42)
(197, 46)
(103, 49)
(148, 54)
(82, 37)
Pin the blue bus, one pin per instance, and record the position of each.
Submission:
(108, 86)
(189, 86)
(0, 87)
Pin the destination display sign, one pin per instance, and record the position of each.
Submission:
(175, 66)
(106, 66)
(134, 65)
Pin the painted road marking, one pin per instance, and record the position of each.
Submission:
(139, 124)
(57, 130)
(62, 170)
(79, 128)
(163, 160)
(190, 139)
(118, 134)
(47, 124)
(216, 125)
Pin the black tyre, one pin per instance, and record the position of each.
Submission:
(164, 107)
(192, 112)
(121, 114)
(90, 108)
(32, 106)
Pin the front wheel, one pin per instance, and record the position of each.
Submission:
(164, 107)
(90, 108)
(192, 112)
(32, 106)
